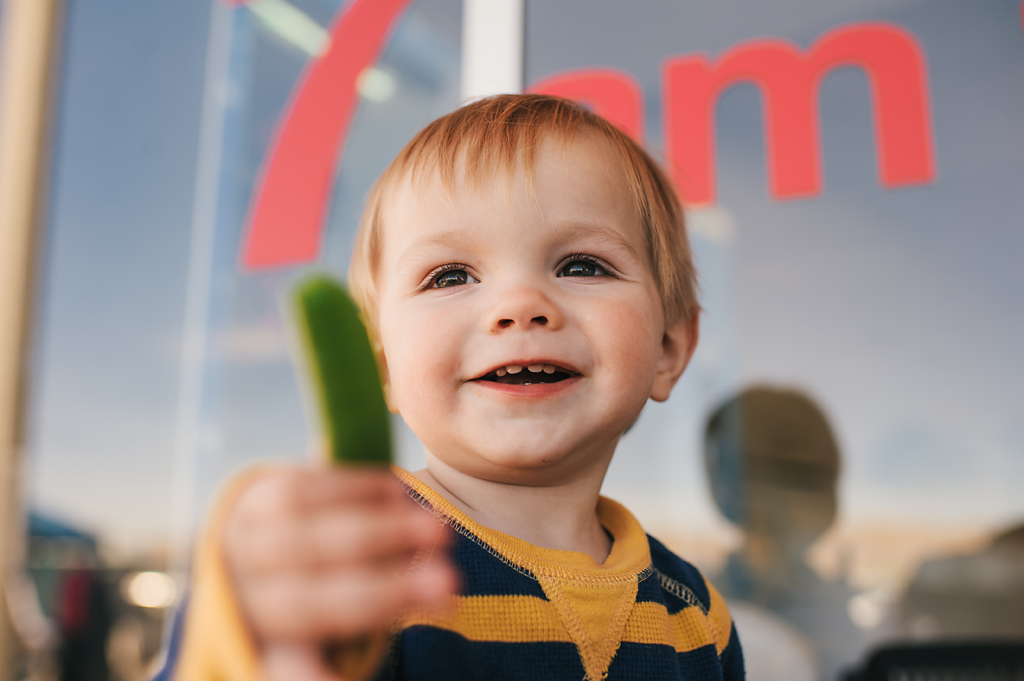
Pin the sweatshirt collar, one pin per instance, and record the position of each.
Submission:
(630, 554)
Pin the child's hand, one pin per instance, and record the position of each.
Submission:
(322, 555)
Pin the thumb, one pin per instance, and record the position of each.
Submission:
(296, 662)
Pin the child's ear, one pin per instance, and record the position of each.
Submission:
(677, 346)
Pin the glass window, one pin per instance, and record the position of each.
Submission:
(842, 457)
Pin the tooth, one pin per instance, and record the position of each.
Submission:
(536, 368)
(548, 369)
(501, 372)
(514, 368)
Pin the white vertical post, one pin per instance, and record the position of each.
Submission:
(492, 47)
(29, 49)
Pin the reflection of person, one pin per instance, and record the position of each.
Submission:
(974, 596)
(84, 618)
(524, 266)
(773, 464)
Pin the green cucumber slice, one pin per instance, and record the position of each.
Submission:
(343, 371)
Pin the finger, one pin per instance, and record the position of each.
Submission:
(295, 662)
(342, 605)
(330, 485)
(344, 538)
(299, 490)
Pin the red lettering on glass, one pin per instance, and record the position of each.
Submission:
(789, 80)
(614, 94)
(288, 207)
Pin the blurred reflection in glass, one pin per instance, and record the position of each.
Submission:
(82, 619)
(773, 464)
(72, 587)
(980, 595)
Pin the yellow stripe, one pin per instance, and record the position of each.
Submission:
(528, 619)
(505, 619)
(686, 630)
(720, 618)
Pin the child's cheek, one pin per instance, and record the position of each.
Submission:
(634, 343)
(422, 360)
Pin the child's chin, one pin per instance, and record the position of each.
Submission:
(535, 469)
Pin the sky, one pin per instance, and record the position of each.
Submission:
(104, 374)
(898, 311)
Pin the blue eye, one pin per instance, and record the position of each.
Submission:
(451, 278)
(581, 268)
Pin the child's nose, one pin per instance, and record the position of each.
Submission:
(524, 307)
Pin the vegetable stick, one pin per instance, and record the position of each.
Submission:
(344, 373)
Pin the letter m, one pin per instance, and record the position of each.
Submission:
(789, 80)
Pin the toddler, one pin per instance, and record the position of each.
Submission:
(526, 277)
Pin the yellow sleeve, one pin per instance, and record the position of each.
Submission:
(216, 644)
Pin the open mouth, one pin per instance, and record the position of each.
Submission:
(515, 374)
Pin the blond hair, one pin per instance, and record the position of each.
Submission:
(499, 133)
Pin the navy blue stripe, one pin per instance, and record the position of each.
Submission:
(649, 590)
(678, 569)
(733, 668)
(485, 574)
(429, 653)
(701, 663)
(675, 604)
(644, 661)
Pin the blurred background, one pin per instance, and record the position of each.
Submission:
(845, 456)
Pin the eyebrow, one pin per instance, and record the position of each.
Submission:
(451, 239)
(563, 232)
(572, 230)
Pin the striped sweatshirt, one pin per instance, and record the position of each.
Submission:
(525, 612)
(521, 612)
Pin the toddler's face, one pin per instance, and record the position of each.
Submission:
(522, 334)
